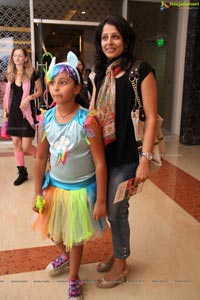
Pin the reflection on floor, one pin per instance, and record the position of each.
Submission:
(165, 237)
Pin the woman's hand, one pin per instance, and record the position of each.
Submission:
(143, 170)
(5, 115)
(25, 103)
(99, 210)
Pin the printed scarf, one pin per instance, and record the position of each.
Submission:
(106, 103)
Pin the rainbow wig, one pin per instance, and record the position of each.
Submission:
(70, 66)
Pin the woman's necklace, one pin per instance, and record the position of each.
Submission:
(67, 114)
(19, 71)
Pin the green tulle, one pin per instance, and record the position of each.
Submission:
(67, 216)
(70, 218)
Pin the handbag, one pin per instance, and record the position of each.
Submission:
(139, 121)
(4, 129)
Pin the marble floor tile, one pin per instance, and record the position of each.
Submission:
(165, 237)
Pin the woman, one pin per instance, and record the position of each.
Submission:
(22, 88)
(114, 99)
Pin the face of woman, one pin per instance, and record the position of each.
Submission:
(112, 43)
(18, 57)
(80, 66)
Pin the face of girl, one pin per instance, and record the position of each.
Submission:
(111, 42)
(18, 57)
(63, 88)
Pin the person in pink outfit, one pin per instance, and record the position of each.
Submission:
(22, 88)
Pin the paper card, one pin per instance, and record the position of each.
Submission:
(127, 189)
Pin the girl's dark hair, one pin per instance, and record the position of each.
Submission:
(128, 36)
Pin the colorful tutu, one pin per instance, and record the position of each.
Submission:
(67, 216)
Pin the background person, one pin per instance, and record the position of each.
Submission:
(84, 91)
(22, 88)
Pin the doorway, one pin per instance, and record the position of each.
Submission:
(58, 39)
(53, 39)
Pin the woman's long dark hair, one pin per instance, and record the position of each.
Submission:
(128, 36)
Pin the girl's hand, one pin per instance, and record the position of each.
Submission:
(99, 210)
(34, 203)
(143, 170)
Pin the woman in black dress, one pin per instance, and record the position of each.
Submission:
(22, 88)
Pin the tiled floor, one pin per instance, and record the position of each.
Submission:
(165, 237)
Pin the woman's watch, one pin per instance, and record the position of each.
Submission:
(147, 155)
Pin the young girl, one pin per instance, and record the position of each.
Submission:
(22, 88)
(75, 186)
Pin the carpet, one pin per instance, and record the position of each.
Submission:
(34, 259)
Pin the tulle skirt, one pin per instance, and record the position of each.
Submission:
(67, 216)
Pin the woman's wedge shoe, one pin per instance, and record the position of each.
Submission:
(107, 284)
(105, 266)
